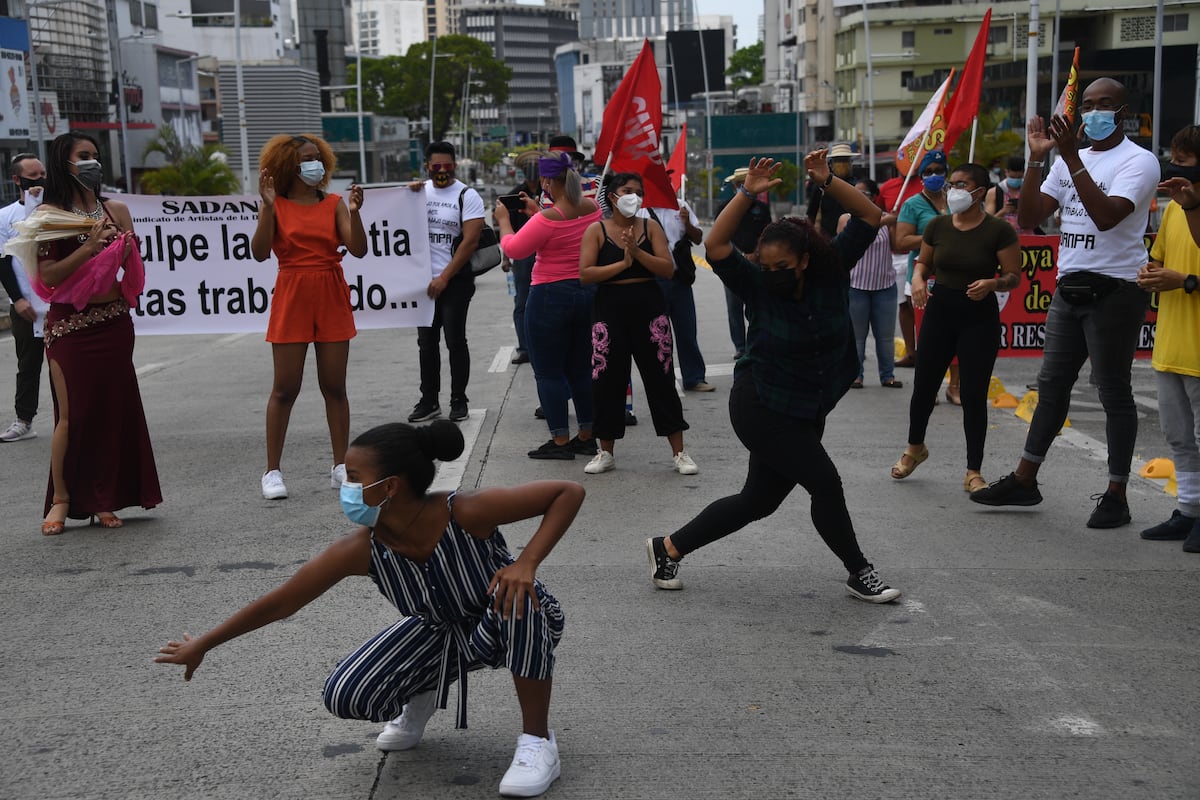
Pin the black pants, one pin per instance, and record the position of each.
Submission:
(31, 352)
(956, 325)
(449, 315)
(630, 322)
(784, 451)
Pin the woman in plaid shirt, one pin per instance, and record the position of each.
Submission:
(800, 359)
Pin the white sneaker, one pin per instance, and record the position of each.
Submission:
(534, 767)
(272, 485)
(336, 476)
(684, 464)
(406, 730)
(602, 462)
(18, 431)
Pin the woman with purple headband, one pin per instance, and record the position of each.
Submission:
(558, 313)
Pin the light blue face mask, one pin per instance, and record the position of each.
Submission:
(312, 172)
(355, 508)
(1099, 125)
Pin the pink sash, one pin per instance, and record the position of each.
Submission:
(98, 273)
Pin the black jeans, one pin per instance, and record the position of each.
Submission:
(956, 325)
(31, 352)
(449, 315)
(784, 451)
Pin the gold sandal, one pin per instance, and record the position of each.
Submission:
(900, 471)
(974, 482)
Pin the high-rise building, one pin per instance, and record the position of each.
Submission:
(389, 27)
(632, 19)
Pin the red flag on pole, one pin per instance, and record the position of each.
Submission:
(677, 166)
(964, 104)
(631, 132)
(927, 132)
(1068, 101)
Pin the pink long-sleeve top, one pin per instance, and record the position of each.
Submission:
(556, 242)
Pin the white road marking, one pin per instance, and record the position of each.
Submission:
(149, 369)
(503, 358)
(450, 473)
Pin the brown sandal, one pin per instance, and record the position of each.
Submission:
(952, 395)
(974, 482)
(900, 470)
(55, 527)
(107, 519)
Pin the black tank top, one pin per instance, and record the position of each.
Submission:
(611, 253)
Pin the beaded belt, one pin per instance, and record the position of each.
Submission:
(87, 318)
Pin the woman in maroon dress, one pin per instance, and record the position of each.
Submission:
(100, 454)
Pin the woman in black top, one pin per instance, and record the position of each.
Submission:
(800, 360)
(962, 317)
(624, 254)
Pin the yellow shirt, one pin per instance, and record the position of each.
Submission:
(1177, 335)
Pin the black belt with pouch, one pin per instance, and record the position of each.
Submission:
(1084, 288)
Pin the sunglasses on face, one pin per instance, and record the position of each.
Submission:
(934, 171)
(441, 167)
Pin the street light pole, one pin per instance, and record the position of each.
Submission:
(432, 72)
(36, 117)
(870, 95)
(243, 138)
(179, 86)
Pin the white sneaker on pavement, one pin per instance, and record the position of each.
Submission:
(18, 431)
(534, 767)
(406, 730)
(336, 476)
(684, 464)
(272, 485)
(603, 462)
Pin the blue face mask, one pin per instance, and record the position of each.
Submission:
(355, 508)
(1014, 184)
(312, 172)
(1099, 125)
(934, 183)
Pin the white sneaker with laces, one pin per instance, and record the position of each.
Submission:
(18, 431)
(336, 476)
(272, 485)
(602, 462)
(684, 464)
(534, 767)
(406, 730)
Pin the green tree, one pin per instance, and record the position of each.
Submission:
(189, 170)
(995, 139)
(490, 154)
(789, 177)
(399, 85)
(746, 66)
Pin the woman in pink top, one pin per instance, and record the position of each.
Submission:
(558, 313)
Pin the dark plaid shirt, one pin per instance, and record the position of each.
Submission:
(801, 353)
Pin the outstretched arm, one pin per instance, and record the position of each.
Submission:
(718, 243)
(851, 199)
(347, 556)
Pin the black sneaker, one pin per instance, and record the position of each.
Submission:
(583, 447)
(663, 569)
(458, 411)
(1111, 512)
(425, 411)
(1176, 528)
(520, 357)
(538, 413)
(1192, 543)
(553, 452)
(867, 585)
(630, 419)
(1008, 491)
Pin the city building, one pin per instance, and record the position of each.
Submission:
(389, 27)
(633, 19)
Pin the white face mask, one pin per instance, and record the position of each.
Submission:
(312, 172)
(959, 200)
(629, 204)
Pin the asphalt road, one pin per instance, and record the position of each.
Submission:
(1030, 657)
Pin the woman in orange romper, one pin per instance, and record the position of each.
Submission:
(305, 227)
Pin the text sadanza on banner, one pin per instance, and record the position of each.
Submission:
(201, 277)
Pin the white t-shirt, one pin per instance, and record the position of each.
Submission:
(10, 214)
(1127, 171)
(441, 205)
(672, 226)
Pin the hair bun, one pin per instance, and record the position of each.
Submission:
(440, 440)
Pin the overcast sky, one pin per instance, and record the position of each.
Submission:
(745, 15)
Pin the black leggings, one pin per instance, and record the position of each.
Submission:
(784, 451)
(954, 324)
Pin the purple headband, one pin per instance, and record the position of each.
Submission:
(554, 165)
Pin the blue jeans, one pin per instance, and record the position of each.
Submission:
(736, 311)
(522, 272)
(1107, 331)
(681, 308)
(558, 330)
(876, 309)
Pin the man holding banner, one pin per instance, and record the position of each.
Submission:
(1104, 192)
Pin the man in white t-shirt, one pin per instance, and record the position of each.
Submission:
(455, 220)
(678, 225)
(28, 310)
(1104, 193)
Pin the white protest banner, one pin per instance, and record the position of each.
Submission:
(201, 277)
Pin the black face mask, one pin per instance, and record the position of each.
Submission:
(1192, 174)
(781, 283)
(30, 183)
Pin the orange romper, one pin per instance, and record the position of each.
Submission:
(311, 301)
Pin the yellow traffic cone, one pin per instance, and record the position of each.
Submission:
(1027, 405)
(1158, 469)
(995, 389)
(1172, 488)
(1004, 400)
(900, 350)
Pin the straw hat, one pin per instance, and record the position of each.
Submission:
(738, 176)
(841, 150)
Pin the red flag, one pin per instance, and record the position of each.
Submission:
(964, 105)
(927, 132)
(1068, 101)
(631, 132)
(677, 166)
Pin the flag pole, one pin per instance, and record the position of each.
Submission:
(974, 129)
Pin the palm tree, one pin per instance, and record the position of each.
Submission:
(189, 170)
